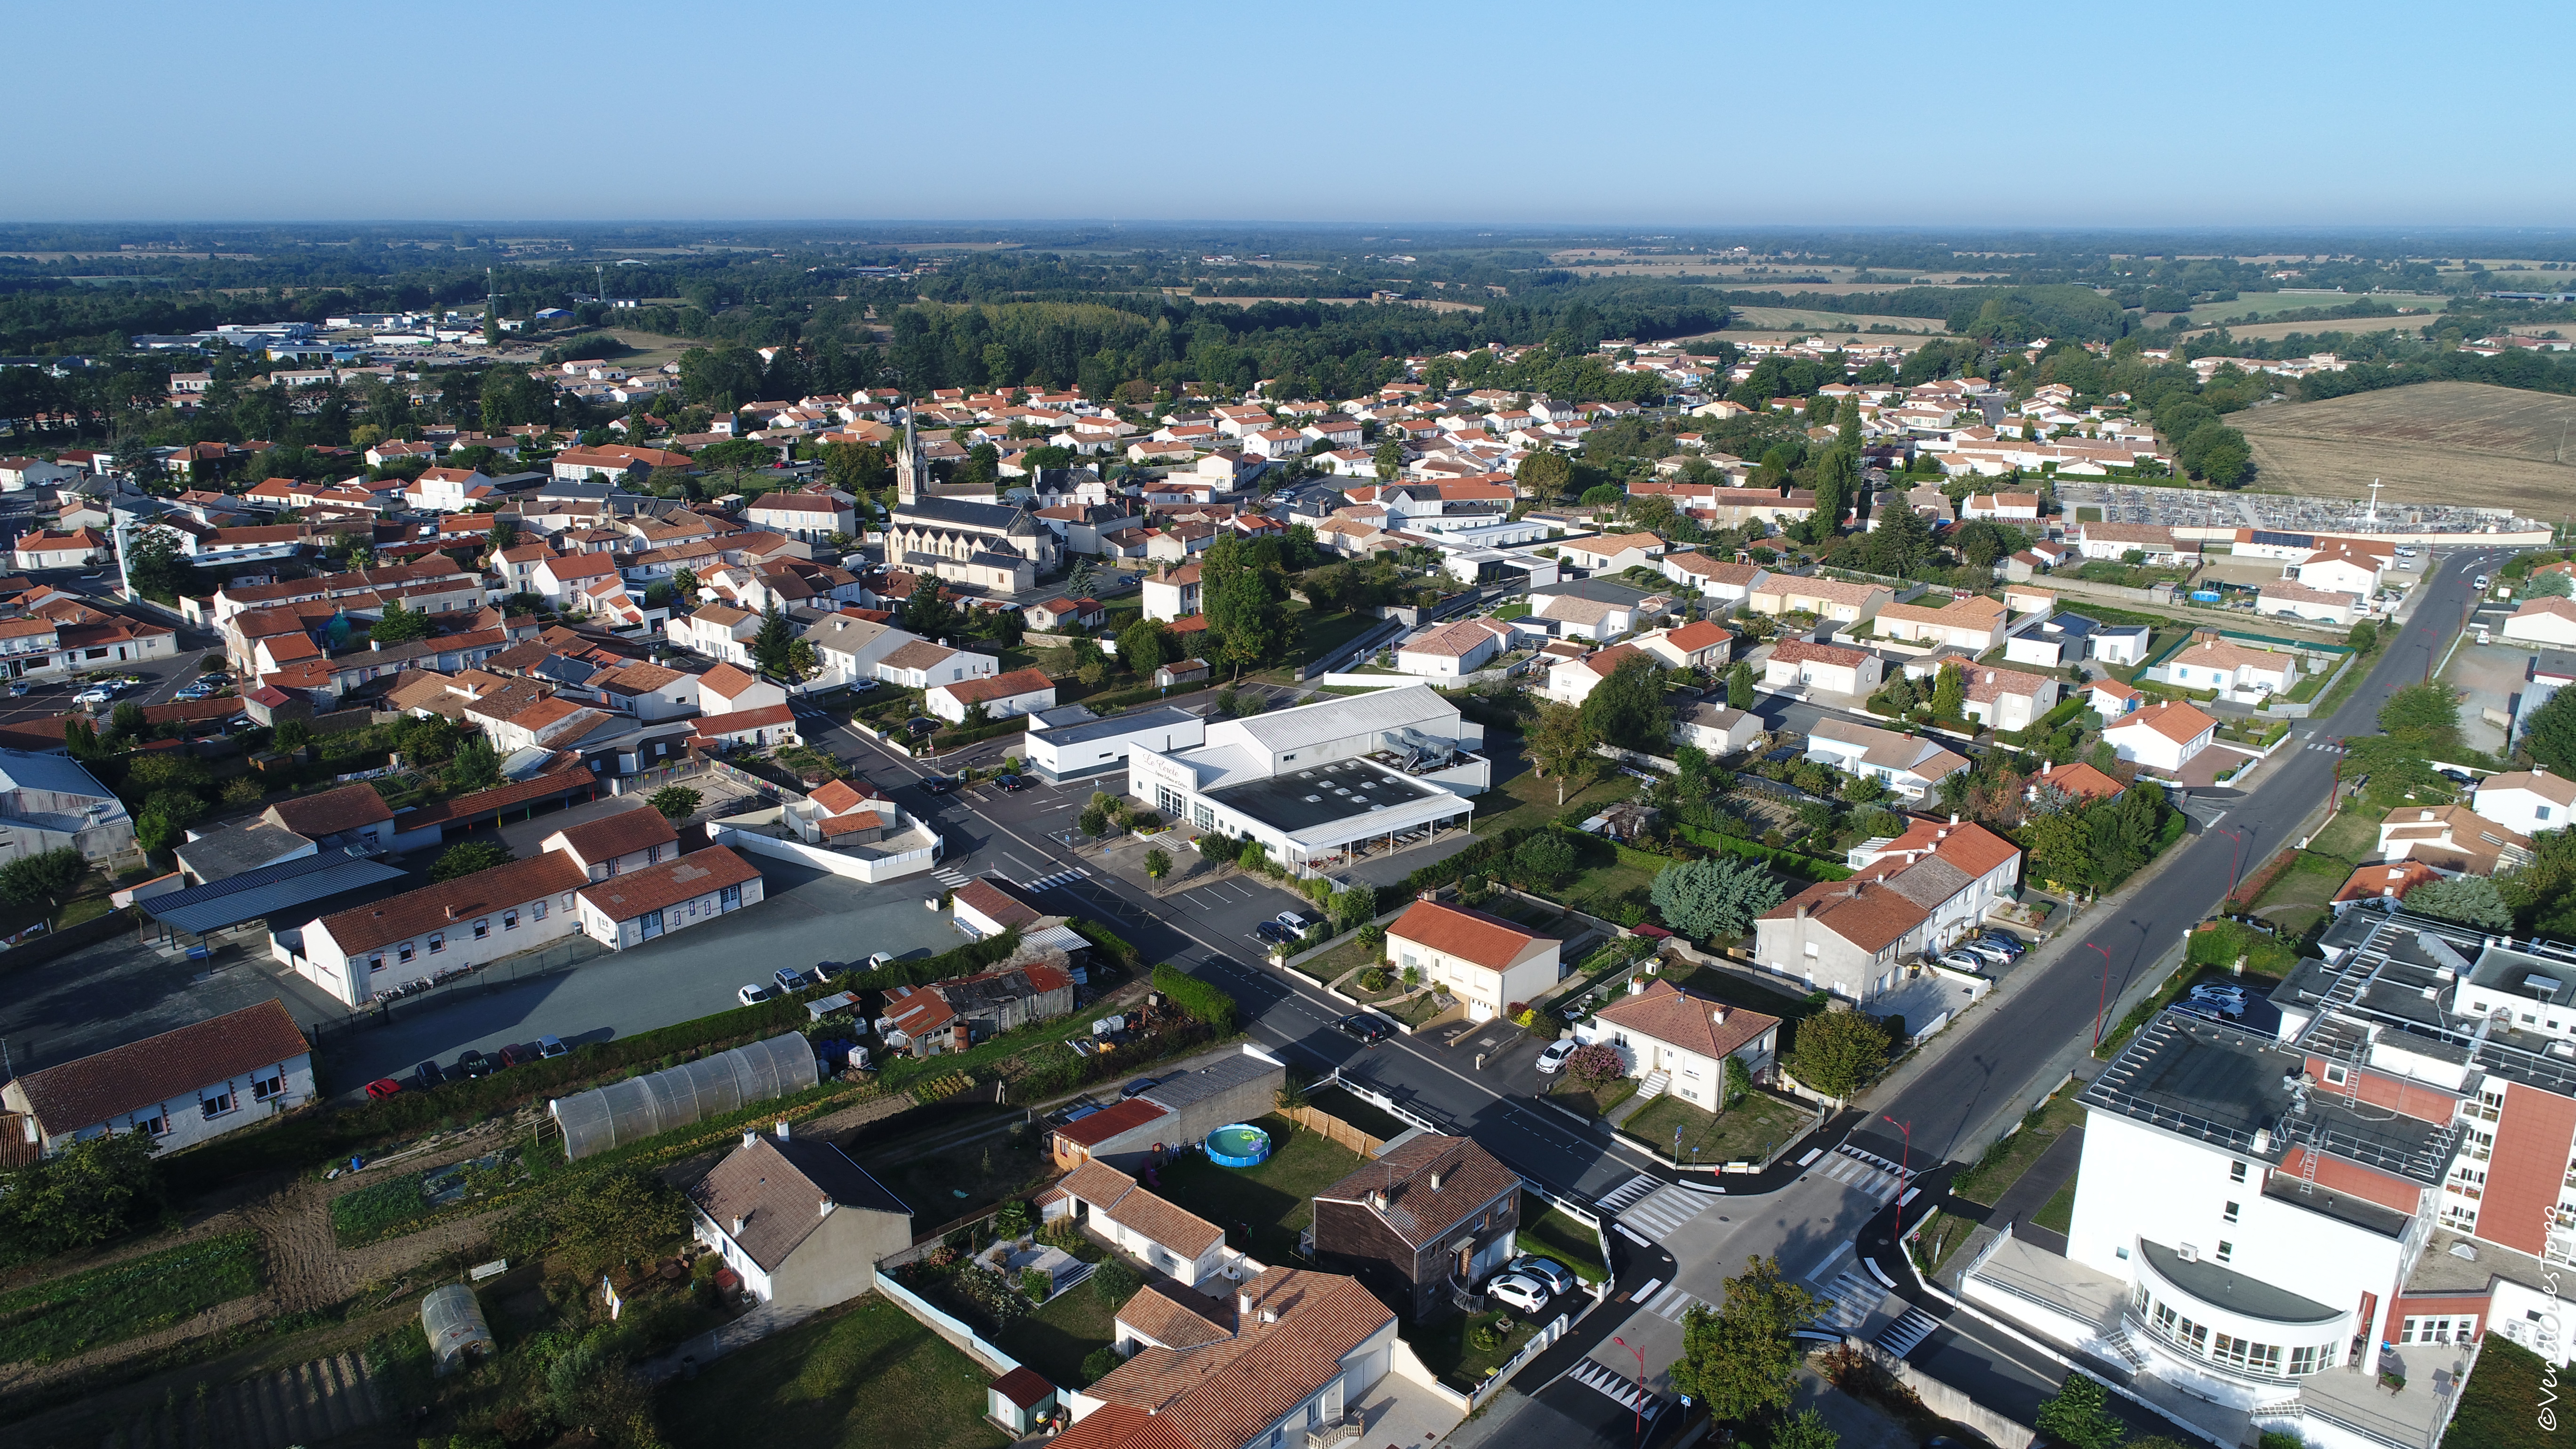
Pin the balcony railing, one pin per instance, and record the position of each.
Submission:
(1332, 1432)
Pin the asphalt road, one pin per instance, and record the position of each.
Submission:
(1994, 1073)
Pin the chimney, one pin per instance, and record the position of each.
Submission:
(451, 913)
(1270, 1315)
(782, 1130)
(1243, 1304)
(1435, 1179)
(825, 1208)
(1717, 1014)
(737, 1227)
(1802, 910)
(751, 1136)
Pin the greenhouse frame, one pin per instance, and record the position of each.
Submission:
(605, 1118)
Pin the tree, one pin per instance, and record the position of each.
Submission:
(86, 1193)
(2551, 735)
(1158, 862)
(928, 612)
(1247, 606)
(684, 582)
(1388, 461)
(769, 647)
(468, 856)
(617, 1215)
(477, 765)
(2424, 716)
(1592, 1065)
(1719, 896)
(1838, 1052)
(2079, 1416)
(1628, 708)
(159, 570)
(1114, 1281)
(42, 878)
(1094, 821)
(674, 803)
(2470, 900)
(2550, 586)
(1742, 1360)
(1950, 694)
(803, 663)
(1146, 646)
(1546, 475)
(1739, 686)
(2363, 638)
(1543, 860)
(1808, 1429)
(1560, 742)
(399, 625)
(127, 720)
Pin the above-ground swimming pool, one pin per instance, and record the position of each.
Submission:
(1238, 1144)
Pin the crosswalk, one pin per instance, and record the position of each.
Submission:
(2331, 749)
(1855, 1295)
(949, 876)
(1900, 1337)
(1623, 1391)
(1671, 1303)
(1866, 1173)
(1050, 882)
(1662, 1212)
(1625, 1193)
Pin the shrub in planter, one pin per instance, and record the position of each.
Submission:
(1373, 979)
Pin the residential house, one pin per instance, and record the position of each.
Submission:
(1492, 965)
(2116, 541)
(617, 844)
(2077, 781)
(1678, 1042)
(1696, 645)
(1450, 651)
(921, 664)
(1166, 1238)
(718, 631)
(1830, 600)
(801, 1223)
(439, 929)
(2381, 883)
(1173, 593)
(1611, 553)
(2111, 699)
(1572, 681)
(731, 689)
(1061, 615)
(2531, 801)
(648, 691)
(2347, 566)
(2210, 662)
(806, 517)
(1139, 1131)
(2283, 598)
(2452, 839)
(1909, 765)
(1022, 691)
(1970, 621)
(2055, 642)
(1421, 1225)
(2545, 621)
(2007, 699)
(74, 550)
(1717, 729)
(178, 1088)
(1831, 668)
(1725, 584)
(2163, 736)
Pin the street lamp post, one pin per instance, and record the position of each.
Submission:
(2101, 998)
(1904, 1166)
(1641, 1384)
(2236, 859)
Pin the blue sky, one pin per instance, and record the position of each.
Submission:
(1635, 115)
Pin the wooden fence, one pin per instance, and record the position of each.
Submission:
(1315, 1119)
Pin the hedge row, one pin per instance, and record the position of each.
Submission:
(1203, 1000)
(1107, 941)
(1805, 867)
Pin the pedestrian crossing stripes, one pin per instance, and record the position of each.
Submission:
(1855, 1296)
(1663, 1211)
(2329, 749)
(1672, 1303)
(1626, 1193)
(1900, 1337)
(1050, 882)
(1865, 1173)
(948, 877)
(1594, 1374)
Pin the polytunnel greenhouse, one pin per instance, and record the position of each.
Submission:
(453, 1319)
(639, 1107)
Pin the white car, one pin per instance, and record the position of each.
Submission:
(1553, 1058)
(1526, 1294)
(94, 696)
(753, 995)
(1962, 961)
(1292, 921)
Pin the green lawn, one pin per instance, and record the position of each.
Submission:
(2500, 1404)
(1055, 1339)
(107, 1305)
(1746, 1132)
(2298, 897)
(1526, 801)
(1416, 1011)
(865, 1377)
(1324, 633)
(1570, 1094)
(1598, 888)
(1375, 1121)
(1516, 609)
(2007, 1160)
(1551, 1234)
(1339, 961)
(1466, 1350)
(2058, 1213)
(1274, 1199)
(1734, 990)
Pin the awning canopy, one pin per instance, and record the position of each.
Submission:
(270, 890)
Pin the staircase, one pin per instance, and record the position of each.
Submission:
(2128, 1352)
(1655, 1085)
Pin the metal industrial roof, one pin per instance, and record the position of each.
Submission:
(255, 894)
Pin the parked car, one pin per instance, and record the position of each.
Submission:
(2014, 944)
(427, 1075)
(921, 725)
(1961, 961)
(826, 970)
(790, 980)
(880, 959)
(2479, 582)
(552, 1046)
(862, 686)
(1140, 1086)
(1557, 1277)
(1364, 1026)
(1987, 951)
(1526, 1294)
(2457, 777)
(1274, 933)
(1293, 921)
(753, 995)
(2226, 1000)
(99, 695)
(19, 689)
(1012, 784)
(938, 785)
(517, 1054)
(473, 1066)
(1553, 1056)
(383, 1087)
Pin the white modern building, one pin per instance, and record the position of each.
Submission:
(1323, 782)
(1071, 742)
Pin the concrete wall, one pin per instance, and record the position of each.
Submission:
(921, 857)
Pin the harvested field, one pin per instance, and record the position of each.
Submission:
(2351, 326)
(1811, 317)
(2436, 442)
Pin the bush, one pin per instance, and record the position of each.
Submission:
(1202, 1000)
(1100, 1362)
(1114, 1281)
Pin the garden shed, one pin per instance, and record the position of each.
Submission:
(453, 1318)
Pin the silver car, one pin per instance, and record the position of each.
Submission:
(1553, 1057)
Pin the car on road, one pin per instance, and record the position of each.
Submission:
(2479, 582)
(20, 689)
(427, 1075)
(1293, 921)
(1526, 1294)
(1557, 1277)
(1364, 1026)
(938, 785)
(826, 970)
(383, 1087)
(552, 1046)
(94, 695)
(1140, 1086)
(1553, 1056)
(790, 980)
(473, 1066)
(753, 995)
(1274, 933)
(1012, 784)
(880, 959)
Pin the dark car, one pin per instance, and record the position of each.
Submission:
(515, 1055)
(1140, 1086)
(383, 1087)
(428, 1075)
(826, 970)
(473, 1066)
(920, 725)
(1012, 783)
(1361, 1026)
(938, 785)
(1274, 932)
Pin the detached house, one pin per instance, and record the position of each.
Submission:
(803, 1224)
(1421, 1225)
(1164, 1237)
(1800, 664)
(1680, 1043)
(2531, 801)
(1022, 691)
(1491, 964)
(2161, 736)
(178, 1089)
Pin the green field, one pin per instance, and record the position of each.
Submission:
(1274, 1199)
(1748, 1131)
(1056, 1338)
(864, 1378)
(107, 1305)
(1551, 1234)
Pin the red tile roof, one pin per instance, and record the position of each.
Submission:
(93, 1088)
(1694, 1023)
(704, 872)
(332, 811)
(623, 833)
(1488, 941)
(452, 904)
(1109, 1122)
